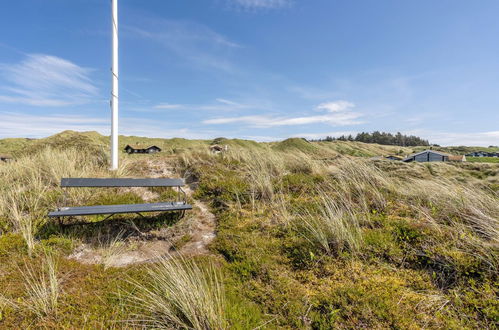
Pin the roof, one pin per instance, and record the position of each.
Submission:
(425, 151)
(139, 146)
(393, 156)
(216, 146)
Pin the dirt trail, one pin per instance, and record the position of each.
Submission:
(190, 235)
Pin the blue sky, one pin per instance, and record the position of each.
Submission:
(256, 69)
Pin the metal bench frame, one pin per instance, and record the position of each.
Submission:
(180, 204)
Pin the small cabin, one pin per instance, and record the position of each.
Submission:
(139, 149)
(428, 156)
(393, 157)
(218, 148)
(5, 158)
(483, 154)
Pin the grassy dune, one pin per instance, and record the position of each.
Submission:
(309, 235)
(483, 159)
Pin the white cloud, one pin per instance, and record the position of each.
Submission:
(36, 126)
(338, 114)
(260, 4)
(44, 80)
(220, 104)
(168, 106)
(337, 106)
(228, 102)
(17, 124)
(454, 139)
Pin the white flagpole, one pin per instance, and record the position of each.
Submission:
(114, 93)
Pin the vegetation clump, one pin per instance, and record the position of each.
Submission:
(307, 236)
(180, 294)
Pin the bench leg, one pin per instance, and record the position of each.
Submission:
(109, 216)
(134, 227)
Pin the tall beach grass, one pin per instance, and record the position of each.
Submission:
(180, 294)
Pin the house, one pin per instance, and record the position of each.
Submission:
(5, 158)
(428, 156)
(483, 154)
(477, 154)
(218, 148)
(392, 157)
(457, 158)
(139, 149)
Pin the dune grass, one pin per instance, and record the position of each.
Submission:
(30, 186)
(483, 159)
(180, 294)
(41, 288)
(335, 228)
(306, 238)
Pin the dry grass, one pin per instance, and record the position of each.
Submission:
(112, 249)
(358, 183)
(29, 187)
(21, 208)
(456, 205)
(42, 289)
(358, 189)
(335, 228)
(180, 294)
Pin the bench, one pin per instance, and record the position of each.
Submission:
(180, 204)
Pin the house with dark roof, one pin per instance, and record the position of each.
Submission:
(483, 154)
(393, 157)
(428, 156)
(5, 158)
(140, 149)
(218, 148)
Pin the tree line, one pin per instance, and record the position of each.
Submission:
(383, 138)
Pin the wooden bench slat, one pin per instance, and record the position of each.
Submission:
(121, 182)
(117, 209)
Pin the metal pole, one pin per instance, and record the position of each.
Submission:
(114, 93)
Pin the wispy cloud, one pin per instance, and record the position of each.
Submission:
(337, 106)
(35, 126)
(338, 113)
(45, 80)
(141, 127)
(259, 4)
(18, 124)
(220, 104)
(464, 139)
(314, 136)
(191, 41)
(168, 106)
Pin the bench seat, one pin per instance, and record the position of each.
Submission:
(116, 209)
(120, 182)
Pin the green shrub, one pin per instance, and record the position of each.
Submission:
(298, 183)
(11, 243)
(56, 243)
(112, 198)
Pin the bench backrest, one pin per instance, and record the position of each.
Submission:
(120, 182)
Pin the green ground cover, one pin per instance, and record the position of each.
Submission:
(483, 159)
(309, 236)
